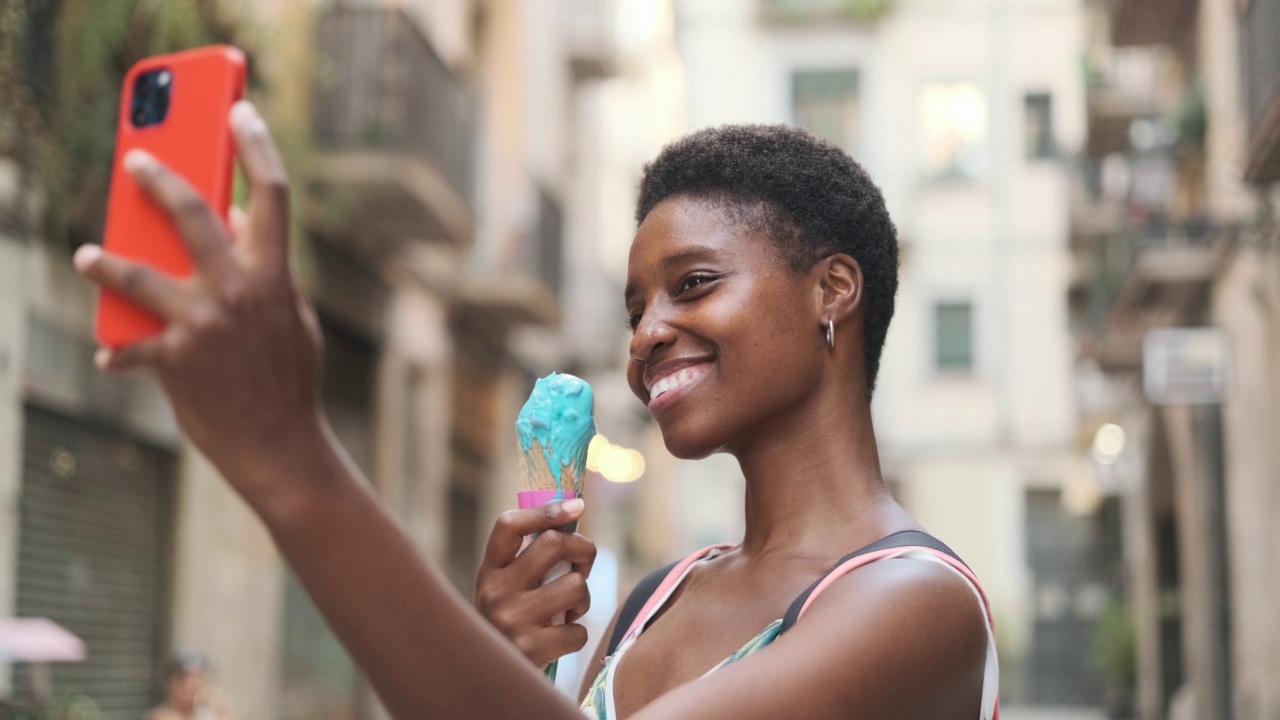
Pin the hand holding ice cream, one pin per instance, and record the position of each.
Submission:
(525, 586)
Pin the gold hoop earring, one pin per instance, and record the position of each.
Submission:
(831, 334)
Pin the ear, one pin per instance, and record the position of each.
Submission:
(838, 287)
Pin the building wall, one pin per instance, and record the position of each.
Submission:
(228, 581)
(1244, 304)
(12, 352)
(1249, 419)
(962, 449)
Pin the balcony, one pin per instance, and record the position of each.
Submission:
(1094, 215)
(1261, 56)
(589, 37)
(1123, 85)
(1160, 273)
(394, 131)
(527, 289)
(1169, 268)
(1150, 22)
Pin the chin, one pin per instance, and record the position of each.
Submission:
(691, 440)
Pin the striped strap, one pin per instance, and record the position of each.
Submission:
(660, 594)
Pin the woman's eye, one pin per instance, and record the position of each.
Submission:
(692, 282)
(633, 321)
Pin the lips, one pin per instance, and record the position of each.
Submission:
(667, 381)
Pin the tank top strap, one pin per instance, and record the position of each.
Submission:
(665, 588)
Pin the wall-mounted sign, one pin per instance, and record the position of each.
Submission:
(1185, 366)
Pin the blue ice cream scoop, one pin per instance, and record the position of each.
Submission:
(556, 425)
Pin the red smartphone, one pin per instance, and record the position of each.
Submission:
(175, 107)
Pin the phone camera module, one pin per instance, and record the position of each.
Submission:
(150, 102)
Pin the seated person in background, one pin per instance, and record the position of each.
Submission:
(189, 691)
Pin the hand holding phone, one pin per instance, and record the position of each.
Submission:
(176, 108)
(239, 353)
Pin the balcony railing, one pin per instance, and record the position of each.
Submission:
(1154, 272)
(381, 87)
(1259, 29)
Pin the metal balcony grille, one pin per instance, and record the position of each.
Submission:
(381, 86)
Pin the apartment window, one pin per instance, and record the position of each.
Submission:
(952, 130)
(825, 102)
(1037, 118)
(953, 336)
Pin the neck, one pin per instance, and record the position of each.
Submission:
(813, 481)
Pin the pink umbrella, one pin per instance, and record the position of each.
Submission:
(38, 640)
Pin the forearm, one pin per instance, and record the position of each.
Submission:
(426, 653)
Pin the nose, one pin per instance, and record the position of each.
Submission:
(652, 333)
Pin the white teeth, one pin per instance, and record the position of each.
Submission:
(674, 380)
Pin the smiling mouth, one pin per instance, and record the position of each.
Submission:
(676, 380)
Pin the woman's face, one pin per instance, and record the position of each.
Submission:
(726, 335)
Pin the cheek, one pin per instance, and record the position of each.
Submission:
(635, 380)
(766, 336)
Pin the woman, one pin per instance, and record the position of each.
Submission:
(760, 289)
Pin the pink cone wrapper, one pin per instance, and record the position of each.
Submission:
(534, 498)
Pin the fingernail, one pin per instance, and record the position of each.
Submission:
(572, 506)
(102, 358)
(85, 255)
(244, 116)
(137, 160)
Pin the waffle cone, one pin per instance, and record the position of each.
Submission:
(536, 474)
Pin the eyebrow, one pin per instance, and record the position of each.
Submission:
(697, 252)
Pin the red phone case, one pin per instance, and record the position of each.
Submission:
(195, 141)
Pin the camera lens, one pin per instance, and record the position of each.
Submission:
(151, 96)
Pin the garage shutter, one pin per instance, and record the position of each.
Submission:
(96, 528)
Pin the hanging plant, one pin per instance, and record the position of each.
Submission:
(862, 12)
(70, 109)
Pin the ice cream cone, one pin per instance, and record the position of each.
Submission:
(555, 427)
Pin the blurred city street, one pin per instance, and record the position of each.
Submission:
(1080, 390)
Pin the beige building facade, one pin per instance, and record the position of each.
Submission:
(1179, 231)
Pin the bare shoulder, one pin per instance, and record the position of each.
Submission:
(901, 638)
(914, 615)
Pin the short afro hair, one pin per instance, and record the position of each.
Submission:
(808, 195)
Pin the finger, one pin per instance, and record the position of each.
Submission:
(144, 285)
(548, 644)
(513, 525)
(585, 557)
(201, 230)
(562, 595)
(137, 356)
(268, 187)
(549, 549)
(238, 219)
